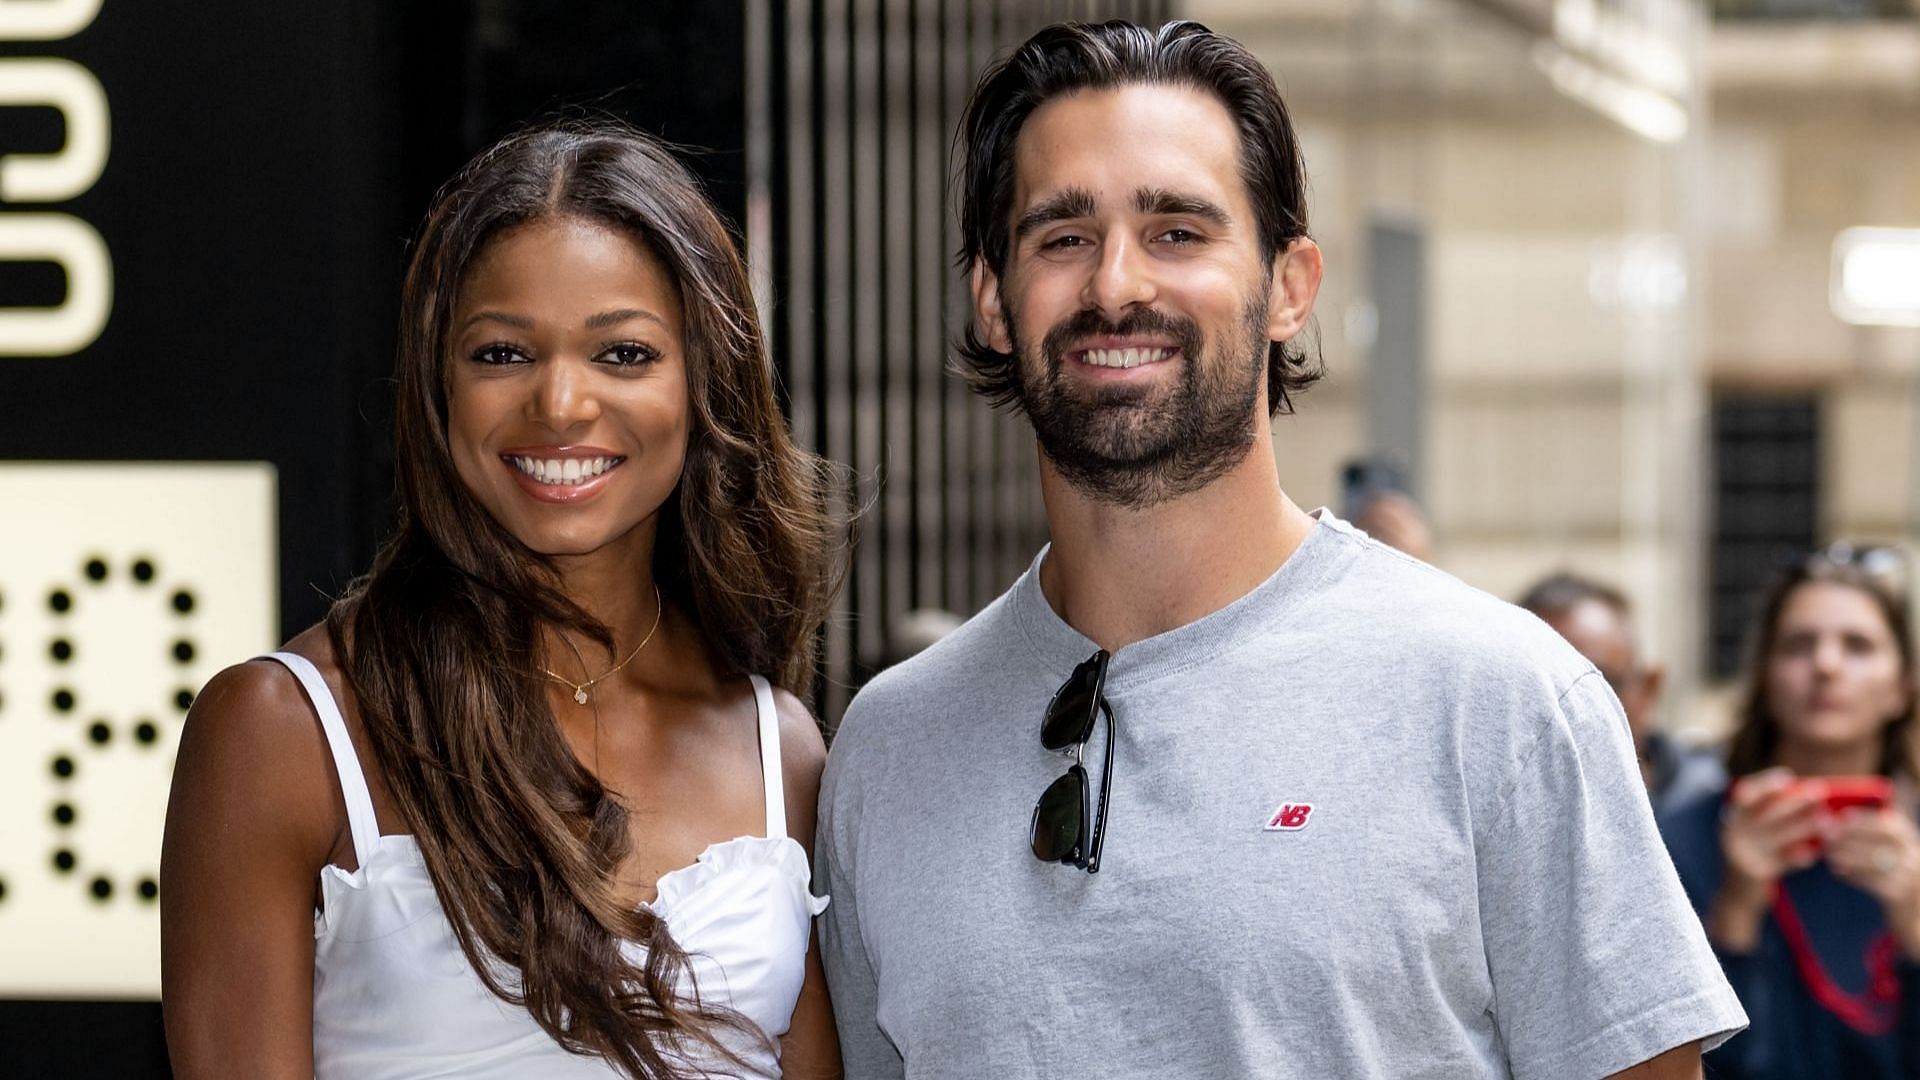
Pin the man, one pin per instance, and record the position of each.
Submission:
(1597, 620)
(1349, 817)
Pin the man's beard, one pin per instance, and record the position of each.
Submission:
(1139, 446)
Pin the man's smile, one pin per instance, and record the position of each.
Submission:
(1123, 357)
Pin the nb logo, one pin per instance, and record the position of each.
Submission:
(1290, 817)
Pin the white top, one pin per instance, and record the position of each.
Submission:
(394, 997)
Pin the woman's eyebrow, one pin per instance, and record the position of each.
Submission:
(620, 315)
(518, 322)
(599, 321)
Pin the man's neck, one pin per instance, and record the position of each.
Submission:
(1120, 576)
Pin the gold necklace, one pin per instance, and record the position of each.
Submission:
(580, 689)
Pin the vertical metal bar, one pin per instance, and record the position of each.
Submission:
(980, 441)
(1018, 531)
(758, 226)
(897, 187)
(802, 221)
(865, 380)
(836, 321)
(957, 520)
(929, 285)
(1017, 21)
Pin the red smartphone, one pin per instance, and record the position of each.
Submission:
(1851, 792)
(1842, 793)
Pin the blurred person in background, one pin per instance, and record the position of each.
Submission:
(1814, 909)
(1394, 519)
(1325, 811)
(1597, 620)
(1373, 496)
(915, 631)
(527, 804)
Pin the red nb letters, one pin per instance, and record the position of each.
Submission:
(1290, 817)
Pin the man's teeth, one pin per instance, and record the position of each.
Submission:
(563, 471)
(1125, 358)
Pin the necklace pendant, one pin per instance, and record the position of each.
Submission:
(580, 695)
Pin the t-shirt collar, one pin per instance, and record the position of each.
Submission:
(1059, 646)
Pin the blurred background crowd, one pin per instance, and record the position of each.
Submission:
(1622, 322)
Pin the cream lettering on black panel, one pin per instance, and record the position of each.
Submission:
(41, 179)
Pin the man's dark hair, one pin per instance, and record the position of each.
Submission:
(1560, 593)
(1069, 57)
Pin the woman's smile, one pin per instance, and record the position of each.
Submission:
(562, 474)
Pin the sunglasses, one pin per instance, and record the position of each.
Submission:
(1882, 566)
(1874, 560)
(1060, 829)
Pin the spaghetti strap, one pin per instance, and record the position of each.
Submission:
(353, 783)
(770, 775)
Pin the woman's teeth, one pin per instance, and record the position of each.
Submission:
(563, 471)
(1124, 358)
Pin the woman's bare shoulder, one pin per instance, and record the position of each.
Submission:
(251, 821)
(803, 754)
(253, 745)
(802, 747)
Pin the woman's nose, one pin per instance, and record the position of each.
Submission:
(563, 396)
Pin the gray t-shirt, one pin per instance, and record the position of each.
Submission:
(1476, 891)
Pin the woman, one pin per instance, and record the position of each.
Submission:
(524, 805)
(1815, 912)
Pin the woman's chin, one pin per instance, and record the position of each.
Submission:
(1833, 731)
(576, 540)
(566, 547)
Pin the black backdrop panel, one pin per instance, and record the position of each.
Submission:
(268, 162)
(246, 204)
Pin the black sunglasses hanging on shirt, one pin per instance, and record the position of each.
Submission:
(1060, 828)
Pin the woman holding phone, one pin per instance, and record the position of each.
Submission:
(528, 803)
(1807, 871)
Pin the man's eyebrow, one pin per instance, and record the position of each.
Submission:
(1159, 202)
(1063, 205)
(616, 317)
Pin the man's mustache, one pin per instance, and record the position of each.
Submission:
(1092, 323)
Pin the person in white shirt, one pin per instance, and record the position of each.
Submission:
(527, 804)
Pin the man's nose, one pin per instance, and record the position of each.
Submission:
(1122, 279)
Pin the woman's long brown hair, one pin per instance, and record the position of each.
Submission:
(439, 639)
(1756, 739)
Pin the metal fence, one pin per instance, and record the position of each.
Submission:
(855, 103)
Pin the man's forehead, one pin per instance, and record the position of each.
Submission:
(1113, 145)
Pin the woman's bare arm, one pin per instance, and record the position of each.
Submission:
(811, 1048)
(253, 815)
